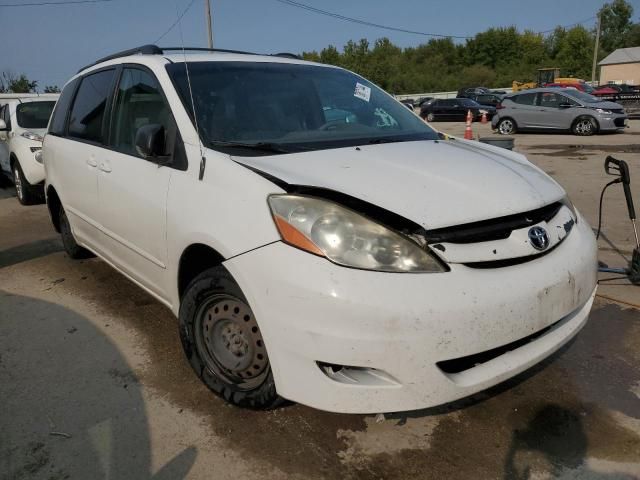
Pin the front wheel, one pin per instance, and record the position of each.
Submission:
(27, 194)
(430, 117)
(506, 126)
(584, 127)
(223, 343)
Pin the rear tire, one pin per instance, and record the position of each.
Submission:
(584, 126)
(27, 194)
(223, 343)
(431, 117)
(69, 243)
(506, 126)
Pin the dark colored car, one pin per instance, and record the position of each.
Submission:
(488, 99)
(454, 109)
(408, 102)
(470, 92)
(421, 101)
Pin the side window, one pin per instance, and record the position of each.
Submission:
(549, 100)
(59, 116)
(88, 111)
(139, 102)
(525, 99)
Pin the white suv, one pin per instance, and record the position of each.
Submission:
(23, 123)
(316, 240)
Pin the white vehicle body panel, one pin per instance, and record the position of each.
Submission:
(14, 144)
(443, 183)
(394, 327)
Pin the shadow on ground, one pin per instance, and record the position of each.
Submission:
(80, 413)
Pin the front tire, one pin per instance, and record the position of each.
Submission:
(27, 194)
(584, 126)
(222, 341)
(69, 243)
(506, 126)
(431, 117)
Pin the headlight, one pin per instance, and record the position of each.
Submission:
(602, 110)
(32, 136)
(345, 237)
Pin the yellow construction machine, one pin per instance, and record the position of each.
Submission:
(545, 75)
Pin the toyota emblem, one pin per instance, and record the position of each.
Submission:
(538, 238)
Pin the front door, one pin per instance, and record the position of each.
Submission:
(132, 189)
(4, 137)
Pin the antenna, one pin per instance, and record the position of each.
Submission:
(203, 160)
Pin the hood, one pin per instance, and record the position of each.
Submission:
(606, 105)
(433, 183)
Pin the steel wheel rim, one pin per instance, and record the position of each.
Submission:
(18, 182)
(229, 341)
(506, 127)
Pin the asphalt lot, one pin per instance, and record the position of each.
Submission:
(94, 385)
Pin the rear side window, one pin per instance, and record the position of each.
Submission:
(59, 116)
(525, 99)
(88, 111)
(34, 114)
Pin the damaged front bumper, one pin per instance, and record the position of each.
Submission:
(348, 340)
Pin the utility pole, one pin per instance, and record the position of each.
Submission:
(595, 50)
(207, 15)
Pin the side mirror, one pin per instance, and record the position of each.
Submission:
(150, 141)
(3, 126)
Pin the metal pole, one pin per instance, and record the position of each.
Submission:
(207, 8)
(595, 50)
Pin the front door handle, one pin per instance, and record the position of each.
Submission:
(92, 163)
(105, 167)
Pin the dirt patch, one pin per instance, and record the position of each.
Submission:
(569, 150)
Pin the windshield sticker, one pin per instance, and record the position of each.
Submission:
(363, 92)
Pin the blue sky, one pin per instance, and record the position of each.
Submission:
(50, 43)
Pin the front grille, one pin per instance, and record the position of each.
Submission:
(619, 122)
(493, 229)
(461, 364)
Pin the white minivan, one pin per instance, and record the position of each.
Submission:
(317, 241)
(23, 123)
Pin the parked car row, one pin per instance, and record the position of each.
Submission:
(454, 109)
(305, 251)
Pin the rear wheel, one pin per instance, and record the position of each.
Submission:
(27, 194)
(506, 126)
(584, 126)
(69, 243)
(223, 342)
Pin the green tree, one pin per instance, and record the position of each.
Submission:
(615, 25)
(52, 89)
(576, 53)
(17, 84)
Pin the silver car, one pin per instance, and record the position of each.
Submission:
(557, 109)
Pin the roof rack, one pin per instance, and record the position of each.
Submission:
(155, 50)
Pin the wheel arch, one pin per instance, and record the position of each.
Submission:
(194, 260)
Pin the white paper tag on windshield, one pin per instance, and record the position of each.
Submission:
(363, 92)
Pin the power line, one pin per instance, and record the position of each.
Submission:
(176, 22)
(363, 22)
(38, 4)
(309, 8)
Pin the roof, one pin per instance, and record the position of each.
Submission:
(622, 55)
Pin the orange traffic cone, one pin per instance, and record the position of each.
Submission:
(484, 118)
(468, 133)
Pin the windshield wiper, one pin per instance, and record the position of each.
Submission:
(259, 146)
(375, 141)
